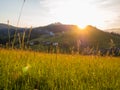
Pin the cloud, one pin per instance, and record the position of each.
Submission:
(110, 8)
(113, 5)
(114, 23)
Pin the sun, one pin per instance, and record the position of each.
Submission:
(79, 12)
(81, 26)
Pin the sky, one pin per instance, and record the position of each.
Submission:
(103, 14)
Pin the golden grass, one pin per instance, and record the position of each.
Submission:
(27, 70)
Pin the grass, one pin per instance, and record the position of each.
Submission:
(27, 70)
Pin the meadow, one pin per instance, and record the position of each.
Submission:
(28, 70)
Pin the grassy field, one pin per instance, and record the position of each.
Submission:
(24, 70)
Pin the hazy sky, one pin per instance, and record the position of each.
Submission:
(100, 13)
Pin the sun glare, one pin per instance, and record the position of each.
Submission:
(81, 27)
(81, 13)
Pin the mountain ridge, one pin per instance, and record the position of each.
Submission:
(65, 34)
(114, 30)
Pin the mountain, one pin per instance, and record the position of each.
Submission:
(5, 29)
(90, 35)
(5, 26)
(114, 30)
(68, 36)
(54, 28)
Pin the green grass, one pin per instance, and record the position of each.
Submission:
(27, 70)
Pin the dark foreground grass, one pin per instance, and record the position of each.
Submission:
(24, 70)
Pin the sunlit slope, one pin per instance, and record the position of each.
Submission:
(91, 36)
(94, 37)
(63, 34)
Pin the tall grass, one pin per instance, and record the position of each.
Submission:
(8, 34)
(29, 35)
(25, 70)
(15, 35)
(22, 40)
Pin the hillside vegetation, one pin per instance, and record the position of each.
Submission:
(69, 37)
(25, 70)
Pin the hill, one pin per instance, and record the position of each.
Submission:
(114, 30)
(5, 29)
(69, 37)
